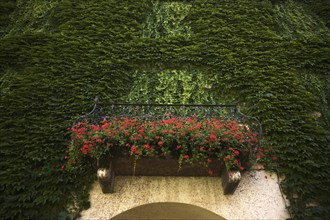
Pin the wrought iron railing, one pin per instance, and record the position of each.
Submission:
(225, 112)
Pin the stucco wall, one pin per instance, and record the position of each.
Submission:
(256, 197)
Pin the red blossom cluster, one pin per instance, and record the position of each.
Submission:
(189, 139)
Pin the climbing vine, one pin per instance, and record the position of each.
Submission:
(56, 56)
(171, 86)
(166, 19)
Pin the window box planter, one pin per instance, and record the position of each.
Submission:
(165, 140)
(163, 167)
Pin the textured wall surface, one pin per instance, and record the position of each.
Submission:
(257, 197)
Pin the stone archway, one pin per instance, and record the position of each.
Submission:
(167, 210)
(257, 197)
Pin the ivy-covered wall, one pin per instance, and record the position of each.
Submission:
(6, 8)
(56, 56)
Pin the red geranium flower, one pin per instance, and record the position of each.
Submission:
(213, 138)
(105, 126)
(227, 158)
(238, 135)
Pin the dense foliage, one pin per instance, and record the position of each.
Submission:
(56, 56)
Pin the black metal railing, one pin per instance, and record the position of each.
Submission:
(225, 112)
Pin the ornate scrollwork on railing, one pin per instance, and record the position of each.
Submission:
(225, 112)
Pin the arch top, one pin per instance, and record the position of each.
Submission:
(168, 210)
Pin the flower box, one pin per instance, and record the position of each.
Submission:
(165, 147)
(164, 167)
(161, 167)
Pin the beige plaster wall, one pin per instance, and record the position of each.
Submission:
(256, 197)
